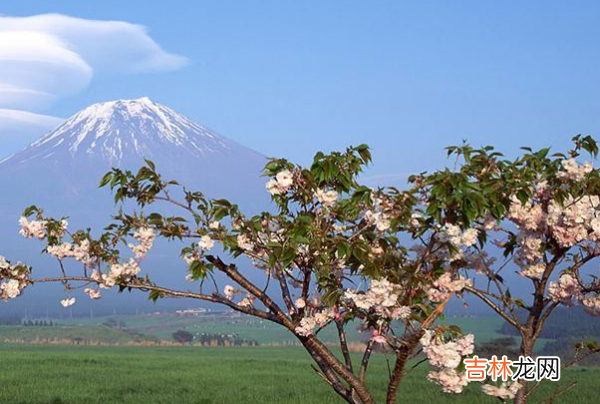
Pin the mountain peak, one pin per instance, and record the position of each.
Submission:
(117, 131)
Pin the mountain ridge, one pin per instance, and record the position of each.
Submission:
(61, 170)
(118, 129)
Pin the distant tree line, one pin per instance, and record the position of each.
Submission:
(564, 324)
(566, 329)
(38, 323)
(10, 320)
(18, 320)
(209, 339)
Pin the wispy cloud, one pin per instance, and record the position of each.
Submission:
(21, 127)
(49, 56)
(37, 68)
(46, 57)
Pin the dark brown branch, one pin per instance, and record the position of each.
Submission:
(305, 289)
(344, 344)
(402, 356)
(493, 306)
(285, 291)
(313, 344)
(364, 364)
(232, 272)
(407, 347)
(333, 383)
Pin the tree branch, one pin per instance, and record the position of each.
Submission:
(493, 306)
(344, 344)
(214, 298)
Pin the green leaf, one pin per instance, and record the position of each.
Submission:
(154, 295)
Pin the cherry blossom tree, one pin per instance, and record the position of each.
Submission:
(334, 253)
(331, 253)
(538, 213)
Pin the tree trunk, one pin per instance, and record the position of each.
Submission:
(359, 393)
(397, 376)
(527, 345)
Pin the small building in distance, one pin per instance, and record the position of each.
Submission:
(192, 312)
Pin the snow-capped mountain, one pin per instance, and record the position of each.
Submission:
(117, 131)
(62, 168)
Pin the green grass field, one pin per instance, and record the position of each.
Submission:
(92, 332)
(41, 374)
(162, 326)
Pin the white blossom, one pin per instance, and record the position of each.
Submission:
(229, 292)
(281, 183)
(206, 243)
(32, 228)
(11, 288)
(326, 198)
(505, 391)
(300, 303)
(244, 242)
(68, 302)
(573, 171)
(145, 236)
(92, 293)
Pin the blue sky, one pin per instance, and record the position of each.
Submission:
(409, 78)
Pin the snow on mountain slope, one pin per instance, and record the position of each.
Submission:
(64, 167)
(118, 130)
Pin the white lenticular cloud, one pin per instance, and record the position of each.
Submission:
(50, 56)
(20, 127)
(36, 68)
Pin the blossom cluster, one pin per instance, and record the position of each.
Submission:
(445, 357)
(568, 221)
(13, 279)
(573, 171)
(145, 237)
(504, 391)
(79, 251)
(314, 319)
(281, 183)
(118, 272)
(326, 198)
(206, 243)
(380, 219)
(381, 299)
(230, 292)
(380, 214)
(447, 284)
(568, 289)
(453, 234)
(32, 228)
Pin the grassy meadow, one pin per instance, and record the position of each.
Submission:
(44, 374)
(161, 326)
(69, 371)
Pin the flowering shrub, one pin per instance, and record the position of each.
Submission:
(539, 213)
(331, 245)
(341, 253)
